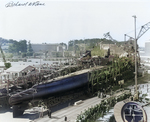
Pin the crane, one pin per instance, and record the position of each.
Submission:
(130, 38)
(3, 56)
(7, 64)
(107, 35)
(143, 30)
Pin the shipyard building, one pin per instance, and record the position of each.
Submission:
(49, 49)
(145, 51)
(147, 48)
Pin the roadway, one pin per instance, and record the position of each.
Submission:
(70, 112)
(35, 114)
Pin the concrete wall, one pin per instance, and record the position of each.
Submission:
(147, 48)
(46, 47)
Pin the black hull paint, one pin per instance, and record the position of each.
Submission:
(50, 89)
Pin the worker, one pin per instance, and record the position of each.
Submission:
(65, 118)
(49, 113)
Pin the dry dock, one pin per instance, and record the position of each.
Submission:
(71, 112)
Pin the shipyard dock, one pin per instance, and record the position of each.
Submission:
(35, 114)
(38, 114)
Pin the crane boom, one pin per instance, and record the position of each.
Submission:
(130, 38)
(7, 64)
(3, 56)
(107, 35)
(143, 30)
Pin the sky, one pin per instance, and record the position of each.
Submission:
(57, 21)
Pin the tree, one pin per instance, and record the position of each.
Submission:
(15, 47)
(90, 43)
(7, 65)
(29, 49)
(23, 46)
(8, 55)
(23, 55)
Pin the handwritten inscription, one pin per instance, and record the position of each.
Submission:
(15, 4)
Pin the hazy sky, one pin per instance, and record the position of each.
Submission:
(64, 20)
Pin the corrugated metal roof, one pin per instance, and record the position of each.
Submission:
(17, 68)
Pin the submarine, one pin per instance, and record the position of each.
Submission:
(53, 87)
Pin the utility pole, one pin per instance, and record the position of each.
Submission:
(135, 58)
(63, 48)
(40, 63)
(125, 37)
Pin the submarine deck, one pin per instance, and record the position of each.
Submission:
(76, 73)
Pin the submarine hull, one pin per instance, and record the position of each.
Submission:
(49, 89)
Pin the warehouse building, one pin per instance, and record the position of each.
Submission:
(48, 47)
